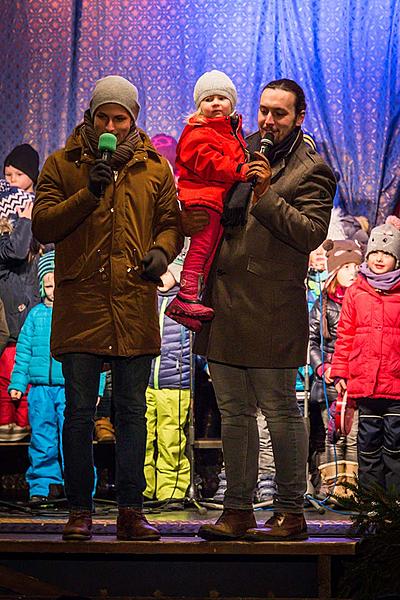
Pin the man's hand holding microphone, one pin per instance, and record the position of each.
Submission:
(101, 173)
(259, 168)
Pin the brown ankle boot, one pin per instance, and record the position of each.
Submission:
(133, 525)
(104, 430)
(231, 525)
(281, 527)
(79, 526)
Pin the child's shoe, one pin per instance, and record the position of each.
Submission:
(266, 490)
(192, 324)
(56, 491)
(6, 432)
(20, 433)
(218, 497)
(104, 430)
(187, 302)
(38, 501)
(11, 432)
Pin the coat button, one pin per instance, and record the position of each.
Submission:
(110, 347)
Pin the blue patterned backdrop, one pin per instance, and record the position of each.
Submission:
(343, 52)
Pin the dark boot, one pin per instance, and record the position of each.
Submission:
(56, 491)
(187, 303)
(79, 526)
(133, 525)
(281, 527)
(231, 525)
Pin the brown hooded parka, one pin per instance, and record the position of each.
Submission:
(102, 306)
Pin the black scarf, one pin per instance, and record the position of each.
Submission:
(235, 205)
(285, 147)
(123, 152)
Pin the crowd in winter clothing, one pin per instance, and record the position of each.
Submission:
(354, 322)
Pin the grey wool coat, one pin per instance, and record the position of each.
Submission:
(257, 283)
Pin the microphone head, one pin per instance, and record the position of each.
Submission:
(266, 143)
(107, 142)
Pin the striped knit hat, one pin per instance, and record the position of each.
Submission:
(46, 265)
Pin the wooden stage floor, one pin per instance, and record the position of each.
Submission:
(36, 563)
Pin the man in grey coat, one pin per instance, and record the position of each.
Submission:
(258, 337)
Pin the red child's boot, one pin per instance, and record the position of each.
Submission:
(193, 324)
(187, 303)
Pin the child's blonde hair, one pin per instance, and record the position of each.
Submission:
(196, 116)
(5, 225)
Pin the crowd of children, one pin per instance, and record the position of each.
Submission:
(353, 293)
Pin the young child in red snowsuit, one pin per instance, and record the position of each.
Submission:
(211, 157)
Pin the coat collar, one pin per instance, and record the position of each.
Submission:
(75, 150)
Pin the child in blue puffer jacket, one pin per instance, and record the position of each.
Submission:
(46, 399)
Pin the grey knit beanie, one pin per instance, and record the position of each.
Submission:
(213, 83)
(117, 90)
(385, 238)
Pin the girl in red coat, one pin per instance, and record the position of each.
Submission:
(366, 360)
(210, 158)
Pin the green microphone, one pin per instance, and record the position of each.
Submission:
(107, 145)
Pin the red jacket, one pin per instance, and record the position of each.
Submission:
(210, 157)
(367, 351)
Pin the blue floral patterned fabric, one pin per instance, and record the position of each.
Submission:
(343, 52)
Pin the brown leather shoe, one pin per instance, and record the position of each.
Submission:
(79, 526)
(104, 430)
(281, 527)
(231, 525)
(133, 525)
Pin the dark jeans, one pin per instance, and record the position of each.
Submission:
(240, 391)
(130, 378)
(379, 442)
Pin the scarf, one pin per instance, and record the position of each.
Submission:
(285, 147)
(124, 151)
(382, 281)
(235, 205)
(338, 295)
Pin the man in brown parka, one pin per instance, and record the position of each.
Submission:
(115, 228)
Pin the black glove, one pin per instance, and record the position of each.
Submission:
(235, 205)
(100, 176)
(154, 265)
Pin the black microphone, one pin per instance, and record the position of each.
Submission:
(267, 143)
(107, 145)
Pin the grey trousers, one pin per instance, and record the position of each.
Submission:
(239, 392)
